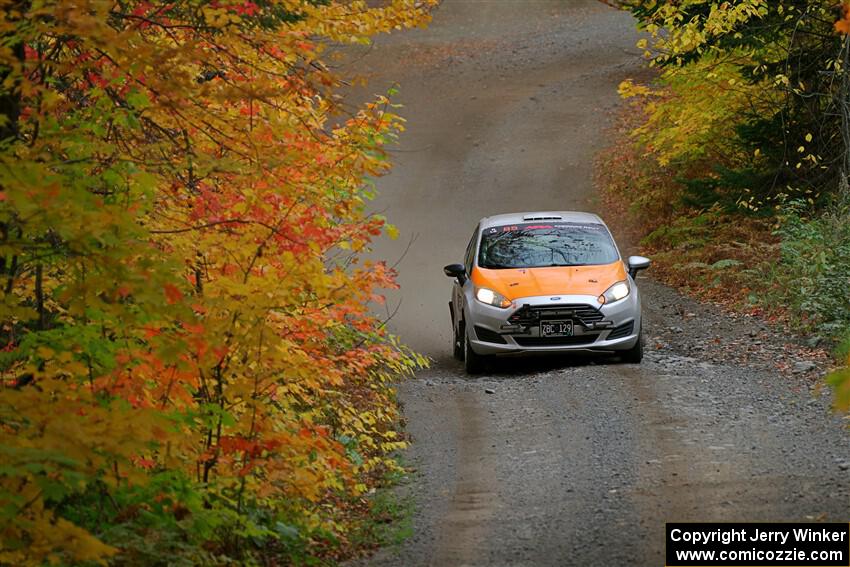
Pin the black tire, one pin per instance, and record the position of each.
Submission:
(635, 354)
(457, 343)
(473, 362)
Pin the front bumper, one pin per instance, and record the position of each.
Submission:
(516, 330)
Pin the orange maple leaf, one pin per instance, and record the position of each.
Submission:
(843, 25)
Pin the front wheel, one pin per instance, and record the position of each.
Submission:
(635, 354)
(473, 362)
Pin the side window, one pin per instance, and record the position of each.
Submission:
(468, 260)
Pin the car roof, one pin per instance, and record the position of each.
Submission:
(562, 216)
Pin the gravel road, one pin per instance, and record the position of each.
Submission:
(569, 462)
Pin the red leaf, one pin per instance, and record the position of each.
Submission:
(172, 294)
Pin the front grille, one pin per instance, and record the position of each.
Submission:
(555, 341)
(489, 336)
(528, 315)
(622, 331)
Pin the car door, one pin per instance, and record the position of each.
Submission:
(457, 288)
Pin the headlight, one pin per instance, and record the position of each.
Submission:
(616, 292)
(490, 297)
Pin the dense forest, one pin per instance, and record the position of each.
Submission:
(190, 372)
(733, 158)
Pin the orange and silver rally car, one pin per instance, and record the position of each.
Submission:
(547, 282)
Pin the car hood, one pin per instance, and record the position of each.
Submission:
(531, 282)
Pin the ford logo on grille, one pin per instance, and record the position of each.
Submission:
(554, 299)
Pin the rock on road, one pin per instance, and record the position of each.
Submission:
(567, 462)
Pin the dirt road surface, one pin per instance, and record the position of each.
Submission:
(568, 462)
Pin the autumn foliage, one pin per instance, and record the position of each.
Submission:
(190, 370)
(843, 25)
(737, 158)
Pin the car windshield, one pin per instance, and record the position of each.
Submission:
(536, 245)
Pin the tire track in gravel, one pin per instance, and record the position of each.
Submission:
(463, 529)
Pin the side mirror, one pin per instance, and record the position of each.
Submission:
(456, 271)
(638, 263)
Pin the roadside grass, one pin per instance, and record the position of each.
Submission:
(382, 518)
(390, 521)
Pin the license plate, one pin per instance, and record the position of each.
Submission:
(556, 329)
